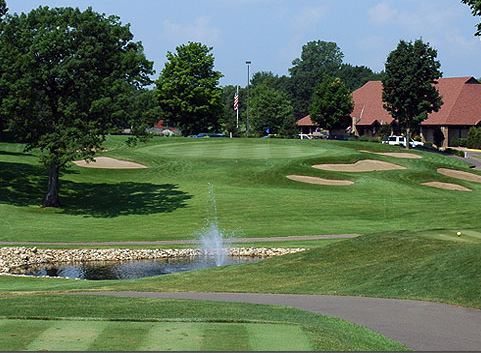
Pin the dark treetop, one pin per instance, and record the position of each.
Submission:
(412, 70)
(188, 89)
(271, 109)
(318, 59)
(331, 104)
(66, 77)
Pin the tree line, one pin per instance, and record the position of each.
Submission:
(68, 78)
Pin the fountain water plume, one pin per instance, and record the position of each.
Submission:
(213, 242)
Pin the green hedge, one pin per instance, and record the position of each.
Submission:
(474, 138)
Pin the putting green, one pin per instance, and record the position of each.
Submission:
(222, 149)
(37, 335)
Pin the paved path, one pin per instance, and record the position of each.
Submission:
(187, 242)
(474, 159)
(419, 325)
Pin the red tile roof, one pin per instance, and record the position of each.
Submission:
(461, 96)
(368, 106)
(462, 103)
(306, 121)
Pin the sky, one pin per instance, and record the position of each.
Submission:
(271, 33)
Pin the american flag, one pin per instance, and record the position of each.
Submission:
(236, 102)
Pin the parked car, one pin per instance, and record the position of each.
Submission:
(401, 141)
(204, 135)
(305, 137)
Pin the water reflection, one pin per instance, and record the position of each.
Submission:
(131, 269)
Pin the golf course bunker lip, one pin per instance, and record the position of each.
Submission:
(109, 163)
(446, 186)
(319, 181)
(401, 155)
(458, 174)
(366, 165)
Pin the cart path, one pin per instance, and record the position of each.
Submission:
(187, 242)
(424, 326)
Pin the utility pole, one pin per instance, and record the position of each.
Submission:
(248, 63)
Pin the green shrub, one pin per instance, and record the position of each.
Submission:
(455, 152)
(474, 138)
(459, 142)
(385, 131)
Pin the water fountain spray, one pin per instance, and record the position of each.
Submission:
(213, 242)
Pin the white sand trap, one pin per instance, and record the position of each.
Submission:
(366, 165)
(403, 155)
(446, 186)
(319, 181)
(109, 163)
(457, 174)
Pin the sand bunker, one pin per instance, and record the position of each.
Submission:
(360, 167)
(446, 186)
(457, 174)
(319, 181)
(403, 155)
(109, 163)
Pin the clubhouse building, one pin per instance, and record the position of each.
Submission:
(461, 110)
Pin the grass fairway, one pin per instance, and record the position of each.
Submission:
(115, 324)
(254, 198)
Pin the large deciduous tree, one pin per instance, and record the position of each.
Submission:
(188, 89)
(3, 9)
(279, 83)
(65, 76)
(332, 104)
(318, 58)
(410, 94)
(271, 110)
(475, 6)
(355, 77)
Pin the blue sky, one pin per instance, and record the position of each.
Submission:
(272, 32)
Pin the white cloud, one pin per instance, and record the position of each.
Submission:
(420, 18)
(200, 30)
(382, 13)
(308, 17)
(435, 23)
(301, 24)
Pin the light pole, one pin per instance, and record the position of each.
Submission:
(248, 63)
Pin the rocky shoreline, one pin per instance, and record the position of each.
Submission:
(12, 260)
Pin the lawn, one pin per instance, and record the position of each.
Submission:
(116, 324)
(409, 248)
(170, 200)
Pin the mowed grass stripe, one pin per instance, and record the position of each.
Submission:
(68, 336)
(119, 336)
(17, 335)
(277, 337)
(225, 337)
(173, 336)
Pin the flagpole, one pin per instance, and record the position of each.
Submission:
(237, 109)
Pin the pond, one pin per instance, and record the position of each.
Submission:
(129, 270)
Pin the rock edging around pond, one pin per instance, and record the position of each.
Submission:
(11, 259)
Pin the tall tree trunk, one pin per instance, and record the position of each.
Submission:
(408, 138)
(52, 198)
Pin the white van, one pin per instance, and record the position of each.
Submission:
(401, 141)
